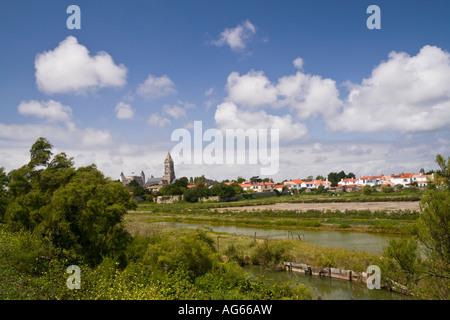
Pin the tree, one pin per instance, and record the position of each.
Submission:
(426, 275)
(335, 177)
(182, 182)
(135, 188)
(224, 191)
(444, 173)
(240, 180)
(40, 153)
(191, 195)
(255, 179)
(3, 199)
(86, 215)
(79, 210)
(351, 175)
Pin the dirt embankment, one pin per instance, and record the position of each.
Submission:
(373, 206)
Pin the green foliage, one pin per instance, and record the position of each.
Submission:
(422, 264)
(335, 177)
(3, 200)
(40, 153)
(76, 209)
(191, 195)
(224, 191)
(367, 190)
(136, 188)
(270, 254)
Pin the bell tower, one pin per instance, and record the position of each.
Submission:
(169, 171)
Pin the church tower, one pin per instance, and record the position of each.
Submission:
(169, 171)
(142, 179)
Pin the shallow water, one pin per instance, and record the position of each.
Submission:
(372, 243)
(327, 288)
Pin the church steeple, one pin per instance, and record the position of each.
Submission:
(169, 171)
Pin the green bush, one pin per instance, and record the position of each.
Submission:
(270, 254)
(191, 195)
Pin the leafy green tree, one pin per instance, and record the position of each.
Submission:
(335, 177)
(182, 182)
(255, 179)
(191, 195)
(240, 180)
(79, 210)
(135, 188)
(40, 153)
(422, 263)
(87, 214)
(224, 191)
(3, 199)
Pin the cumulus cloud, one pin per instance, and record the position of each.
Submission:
(51, 110)
(124, 111)
(92, 137)
(404, 94)
(156, 87)
(308, 95)
(228, 116)
(305, 95)
(158, 121)
(252, 89)
(238, 37)
(298, 63)
(70, 69)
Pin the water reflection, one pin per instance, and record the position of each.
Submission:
(327, 288)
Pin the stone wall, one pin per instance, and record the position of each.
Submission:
(168, 199)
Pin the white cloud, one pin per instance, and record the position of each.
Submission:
(228, 116)
(308, 95)
(252, 89)
(157, 120)
(92, 137)
(51, 110)
(174, 111)
(404, 94)
(298, 63)
(156, 87)
(305, 95)
(209, 92)
(238, 37)
(178, 110)
(124, 111)
(70, 68)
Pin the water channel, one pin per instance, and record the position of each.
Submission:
(326, 288)
(372, 243)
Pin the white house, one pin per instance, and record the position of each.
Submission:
(370, 180)
(403, 179)
(421, 179)
(348, 182)
(257, 187)
(294, 184)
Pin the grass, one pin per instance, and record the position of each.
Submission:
(404, 195)
(246, 250)
(381, 221)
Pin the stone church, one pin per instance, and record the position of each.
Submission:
(154, 183)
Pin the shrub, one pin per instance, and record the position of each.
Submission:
(191, 195)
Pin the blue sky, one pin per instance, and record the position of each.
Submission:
(359, 100)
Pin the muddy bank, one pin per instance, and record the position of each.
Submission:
(373, 206)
